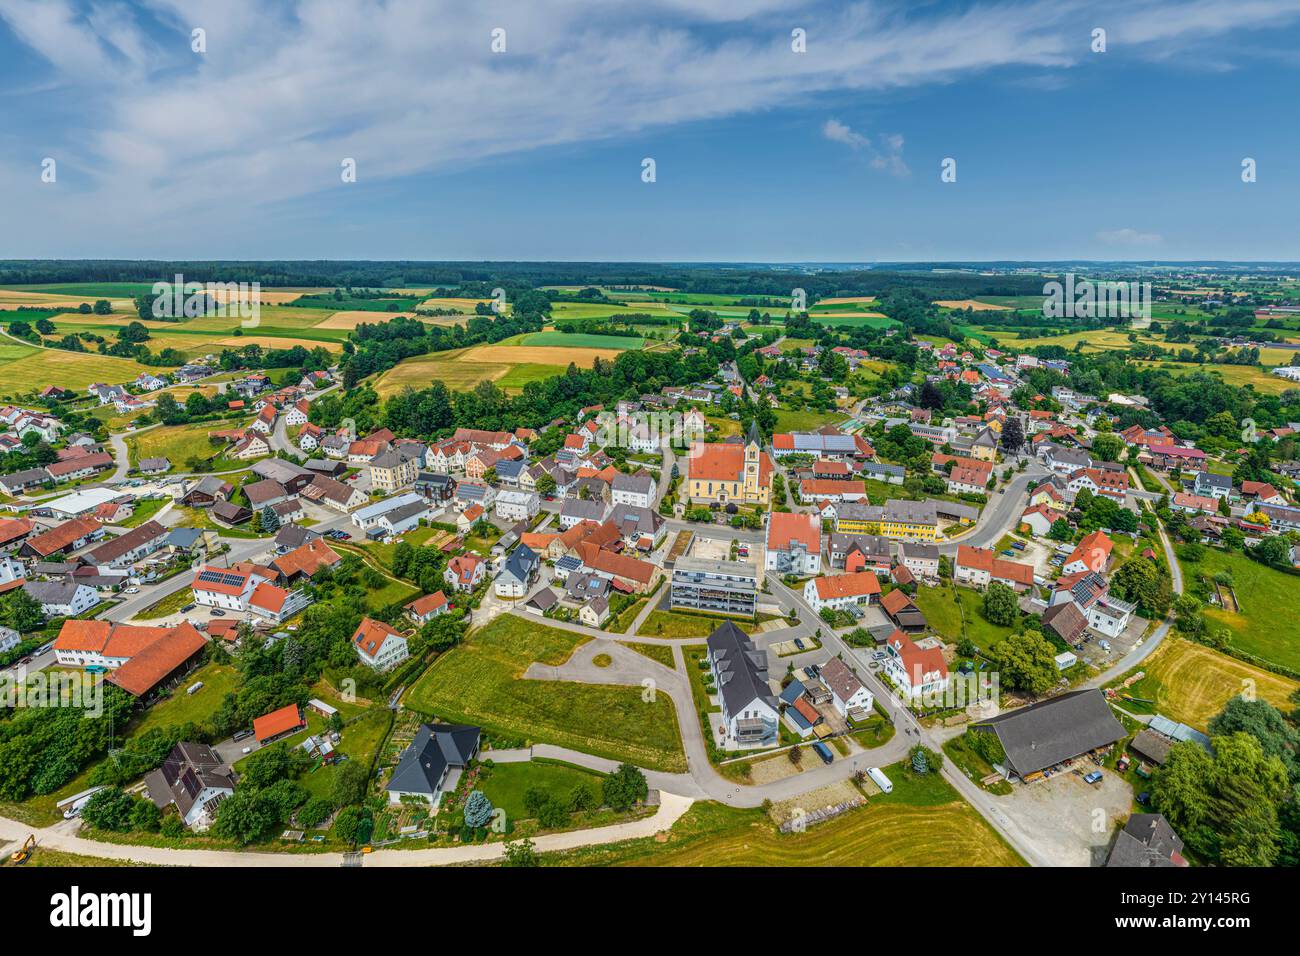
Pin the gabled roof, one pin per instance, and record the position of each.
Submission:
(436, 747)
(278, 722)
(741, 667)
(858, 584)
(1044, 734)
(371, 634)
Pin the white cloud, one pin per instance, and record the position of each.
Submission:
(1130, 237)
(886, 153)
(409, 87)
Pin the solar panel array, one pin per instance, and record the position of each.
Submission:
(228, 578)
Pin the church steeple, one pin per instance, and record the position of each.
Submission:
(754, 436)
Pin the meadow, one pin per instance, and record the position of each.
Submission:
(1191, 683)
(923, 822)
(481, 682)
(1258, 628)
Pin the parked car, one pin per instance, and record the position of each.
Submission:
(823, 751)
(241, 734)
(217, 612)
(1093, 778)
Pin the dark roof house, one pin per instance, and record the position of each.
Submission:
(1044, 734)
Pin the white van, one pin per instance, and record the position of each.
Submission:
(880, 780)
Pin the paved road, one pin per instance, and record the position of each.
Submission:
(117, 441)
(63, 836)
(279, 438)
(1001, 514)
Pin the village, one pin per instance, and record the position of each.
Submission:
(808, 580)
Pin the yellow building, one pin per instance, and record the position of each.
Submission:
(727, 472)
(898, 520)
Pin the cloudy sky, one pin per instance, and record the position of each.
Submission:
(778, 131)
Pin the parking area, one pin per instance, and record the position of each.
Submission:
(1069, 821)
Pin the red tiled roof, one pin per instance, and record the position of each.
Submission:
(848, 585)
(371, 634)
(427, 603)
(157, 659)
(277, 722)
(785, 527)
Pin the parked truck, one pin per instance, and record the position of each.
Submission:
(880, 780)
(823, 751)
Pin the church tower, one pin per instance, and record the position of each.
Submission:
(753, 442)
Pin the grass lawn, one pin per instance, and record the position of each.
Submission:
(674, 624)
(182, 708)
(26, 368)
(582, 340)
(922, 823)
(1261, 627)
(144, 510)
(177, 443)
(359, 739)
(625, 618)
(1190, 683)
(661, 653)
(953, 611)
(168, 605)
(481, 682)
(798, 420)
(506, 783)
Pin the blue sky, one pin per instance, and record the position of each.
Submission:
(762, 154)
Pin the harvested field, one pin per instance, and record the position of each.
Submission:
(973, 304)
(540, 354)
(276, 342)
(350, 320)
(1191, 682)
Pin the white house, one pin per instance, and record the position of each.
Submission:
(915, 671)
(65, 598)
(847, 692)
(226, 588)
(840, 591)
(750, 711)
(639, 489)
(370, 516)
(518, 574)
(378, 645)
(794, 543)
(517, 505)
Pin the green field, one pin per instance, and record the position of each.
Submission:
(481, 682)
(26, 368)
(1262, 627)
(506, 783)
(1191, 683)
(97, 290)
(805, 419)
(182, 708)
(923, 822)
(578, 340)
(946, 609)
(853, 321)
(177, 443)
(679, 624)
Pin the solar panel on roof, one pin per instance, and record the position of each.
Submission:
(221, 577)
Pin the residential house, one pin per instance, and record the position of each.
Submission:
(432, 764)
(518, 574)
(426, 607)
(922, 560)
(848, 693)
(917, 672)
(841, 591)
(464, 572)
(195, 779)
(794, 544)
(378, 645)
(717, 587)
(749, 708)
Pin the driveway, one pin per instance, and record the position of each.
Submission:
(1069, 822)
